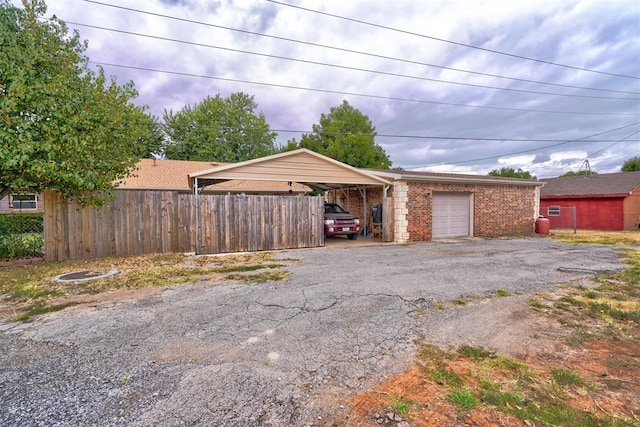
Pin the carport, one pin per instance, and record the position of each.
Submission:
(300, 166)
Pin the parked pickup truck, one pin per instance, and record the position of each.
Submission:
(338, 222)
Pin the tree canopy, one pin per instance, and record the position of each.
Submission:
(218, 129)
(631, 165)
(346, 135)
(512, 173)
(63, 127)
(581, 172)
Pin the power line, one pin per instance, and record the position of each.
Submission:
(611, 145)
(453, 42)
(355, 51)
(438, 137)
(344, 66)
(529, 151)
(388, 98)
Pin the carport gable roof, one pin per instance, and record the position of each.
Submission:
(600, 185)
(302, 166)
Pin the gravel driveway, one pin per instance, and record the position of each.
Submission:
(277, 354)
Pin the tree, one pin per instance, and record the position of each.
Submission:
(581, 172)
(218, 129)
(151, 141)
(631, 165)
(347, 135)
(512, 173)
(63, 127)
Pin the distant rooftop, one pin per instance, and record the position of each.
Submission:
(592, 185)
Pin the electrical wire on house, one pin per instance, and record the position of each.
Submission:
(345, 67)
(389, 98)
(542, 61)
(532, 150)
(341, 49)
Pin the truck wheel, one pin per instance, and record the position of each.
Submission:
(353, 236)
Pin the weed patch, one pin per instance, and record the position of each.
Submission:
(29, 290)
(40, 308)
(271, 276)
(475, 353)
(402, 405)
(463, 399)
(502, 292)
(566, 377)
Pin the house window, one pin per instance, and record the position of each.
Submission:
(553, 211)
(24, 201)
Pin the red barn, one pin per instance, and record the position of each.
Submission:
(600, 202)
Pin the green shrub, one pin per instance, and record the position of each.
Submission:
(21, 246)
(21, 223)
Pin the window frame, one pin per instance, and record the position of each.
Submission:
(553, 210)
(18, 204)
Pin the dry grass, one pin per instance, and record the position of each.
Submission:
(29, 290)
(627, 238)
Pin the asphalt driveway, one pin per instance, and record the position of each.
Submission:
(276, 354)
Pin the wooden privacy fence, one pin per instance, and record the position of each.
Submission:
(145, 222)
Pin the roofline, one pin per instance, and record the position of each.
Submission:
(584, 196)
(229, 166)
(215, 189)
(466, 179)
(138, 188)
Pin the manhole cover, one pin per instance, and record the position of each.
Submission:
(85, 275)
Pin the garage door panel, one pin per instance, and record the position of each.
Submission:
(451, 215)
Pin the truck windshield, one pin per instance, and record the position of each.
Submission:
(333, 209)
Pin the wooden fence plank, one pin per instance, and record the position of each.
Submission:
(143, 222)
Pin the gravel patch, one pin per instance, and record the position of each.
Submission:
(273, 354)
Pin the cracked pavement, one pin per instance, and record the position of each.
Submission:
(276, 354)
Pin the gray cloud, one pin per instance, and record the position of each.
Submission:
(585, 34)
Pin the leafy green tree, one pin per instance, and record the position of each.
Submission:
(512, 173)
(218, 129)
(291, 145)
(631, 165)
(151, 142)
(347, 135)
(579, 173)
(63, 127)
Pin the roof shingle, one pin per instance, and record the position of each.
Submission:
(160, 174)
(591, 185)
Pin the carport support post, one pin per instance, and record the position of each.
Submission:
(197, 207)
(363, 192)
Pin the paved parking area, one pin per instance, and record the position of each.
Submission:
(277, 354)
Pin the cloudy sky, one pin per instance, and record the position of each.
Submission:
(458, 86)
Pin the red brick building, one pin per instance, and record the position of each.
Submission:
(436, 205)
(600, 202)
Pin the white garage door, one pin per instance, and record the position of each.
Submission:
(451, 215)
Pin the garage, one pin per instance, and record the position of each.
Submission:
(451, 215)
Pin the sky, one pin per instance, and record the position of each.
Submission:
(463, 86)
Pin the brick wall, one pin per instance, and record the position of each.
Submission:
(498, 209)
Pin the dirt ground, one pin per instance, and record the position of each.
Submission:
(610, 367)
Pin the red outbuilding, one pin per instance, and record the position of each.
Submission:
(595, 202)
